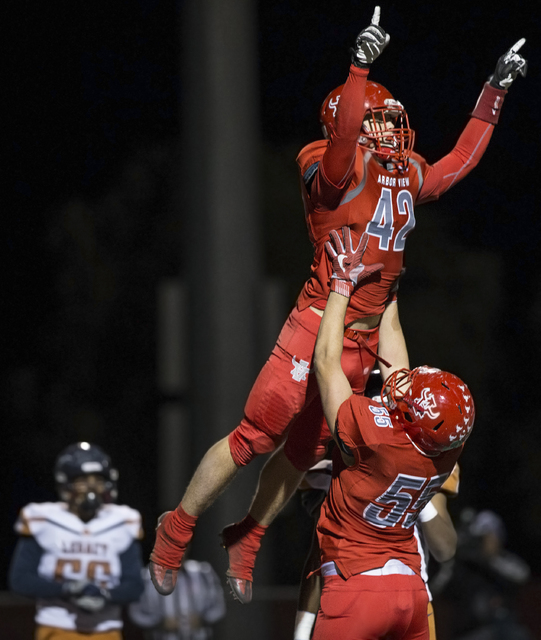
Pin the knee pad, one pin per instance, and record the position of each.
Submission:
(246, 442)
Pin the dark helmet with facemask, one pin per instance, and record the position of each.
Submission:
(83, 459)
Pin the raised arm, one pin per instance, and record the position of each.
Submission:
(392, 344)
(348, 272)
(338, 160)
(474, 140)
(334, 386)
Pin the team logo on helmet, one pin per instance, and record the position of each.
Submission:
(427, 402)
(434, 407)
(333, 104)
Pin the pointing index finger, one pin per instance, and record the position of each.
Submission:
(377, 13)
(516, 46)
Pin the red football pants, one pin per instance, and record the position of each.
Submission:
(373, 607)
(285, 396)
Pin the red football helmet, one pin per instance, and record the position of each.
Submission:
(385, 130)
(434, 407)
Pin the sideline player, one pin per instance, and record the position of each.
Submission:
(79, 558)
(367, 176)
(390, 460)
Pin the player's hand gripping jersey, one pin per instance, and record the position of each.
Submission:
(77, 551)
(369, 515)
(345, 182)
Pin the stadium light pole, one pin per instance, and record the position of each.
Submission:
(218, 208)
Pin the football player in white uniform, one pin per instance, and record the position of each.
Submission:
(79, 558)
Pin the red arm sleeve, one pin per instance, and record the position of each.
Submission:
(338, 160)
(469, 149)
(455, 166)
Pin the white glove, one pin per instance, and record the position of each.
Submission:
(86, 595)
(92, 604)
(73, 588)
(370, 42)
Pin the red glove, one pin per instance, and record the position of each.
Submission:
(348, 270)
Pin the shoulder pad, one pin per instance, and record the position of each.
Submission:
(310, 174)
(347, 423)
(357, 422)
(311, 154)
(129, 518)
(418, 164)
(418, 159)
(36, 515)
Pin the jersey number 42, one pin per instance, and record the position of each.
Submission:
(382, 223)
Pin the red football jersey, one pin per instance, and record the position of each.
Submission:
(343, 184)
(376, 201)
(369, 514)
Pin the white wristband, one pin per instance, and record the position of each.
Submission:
(304, 621)
(428, 513)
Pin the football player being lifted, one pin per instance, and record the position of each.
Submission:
(366, 175)
(79, 558)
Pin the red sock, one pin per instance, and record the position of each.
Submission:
(180, 525)
(172, 538)
(242, 541)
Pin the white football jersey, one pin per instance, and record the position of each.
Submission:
(75, 550)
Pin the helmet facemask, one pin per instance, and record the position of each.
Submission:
(386, 133)
(395, 395)
(85, 479)
(87, 494)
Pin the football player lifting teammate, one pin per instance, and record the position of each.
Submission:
(366, 175)
(391, 460)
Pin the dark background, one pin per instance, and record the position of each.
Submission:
(90, 226)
